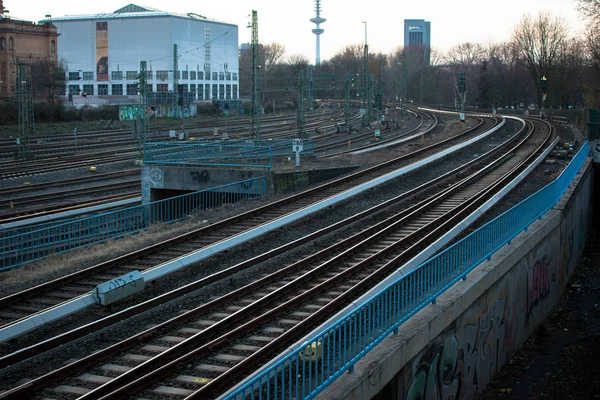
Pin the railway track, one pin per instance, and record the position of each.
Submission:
(201, 352)
(89, 155)
(367, 137)
(18, 206)
(42, 297)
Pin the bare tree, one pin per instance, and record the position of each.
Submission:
(592, 45)
(466, 54)
(273, 54)
(539, 40)
(589, 9)
(298, 61)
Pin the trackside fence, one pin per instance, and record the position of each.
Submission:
(59, 238)
(217, 155)
(309, 368)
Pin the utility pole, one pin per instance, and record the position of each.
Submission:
(370, 87)
(404, 84)
(142, 136)
(26, 119)
(347, 104)
(365, 71)
(300, 121)
(309, 78)
(255, 122)
(175, 79)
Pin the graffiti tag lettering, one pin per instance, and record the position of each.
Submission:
(200, 177)
(538, 284)
(459, 367)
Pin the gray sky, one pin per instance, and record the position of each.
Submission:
(287, 21)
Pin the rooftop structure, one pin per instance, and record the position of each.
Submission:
(187, 53)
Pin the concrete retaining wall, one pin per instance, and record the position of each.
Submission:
(452, 349)
(284, 182)
(190, 178)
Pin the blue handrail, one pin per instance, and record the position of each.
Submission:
(56, 238)
(217, 154)
(311, 367)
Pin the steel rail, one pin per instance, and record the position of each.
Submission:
(63, 339)
(153, 370)
(224, 228)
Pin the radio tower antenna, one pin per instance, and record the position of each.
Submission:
(318, 31)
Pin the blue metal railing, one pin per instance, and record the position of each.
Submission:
(59, 238)
(283, 147)
(219, 155)
(308, 369)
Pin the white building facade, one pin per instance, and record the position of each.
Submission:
(102, 54)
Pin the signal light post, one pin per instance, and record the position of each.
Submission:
(462, 93)
(544, 90)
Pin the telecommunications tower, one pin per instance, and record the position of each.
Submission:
(318, 31)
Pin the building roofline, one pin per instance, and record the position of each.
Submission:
(151, 13)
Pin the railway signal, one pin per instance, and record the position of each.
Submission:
(462, 83)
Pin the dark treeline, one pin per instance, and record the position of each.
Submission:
(497, 75)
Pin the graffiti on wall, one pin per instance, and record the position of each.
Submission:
(538, 284)
(152, 178)
(128, 113)
(464, 361)
(200, 176)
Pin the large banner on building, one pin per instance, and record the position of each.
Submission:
(102, 51)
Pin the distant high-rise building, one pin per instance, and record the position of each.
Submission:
(417, 36)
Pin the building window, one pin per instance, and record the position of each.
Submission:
(162, 88)
(193, 91)
(11, 44)
(2, 44)
(235, 76)
(200, 75)
(184, 75)
(116, 75)
(206, 92)
(200, 92)
(88, 76)
(73, 89)
(52, 47)
(103, 90)
(131, 75)
(192, 75)
(221, 92)
(132, 90)
(148, 88)
(214, 76)
(73, 76)
(149, 75)
(227, 76)
(215, 92)
(117, 90)
(88, 89)
(185, 88)
(162, 75)
(234, 90)
(221, 76)
(227, 92)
